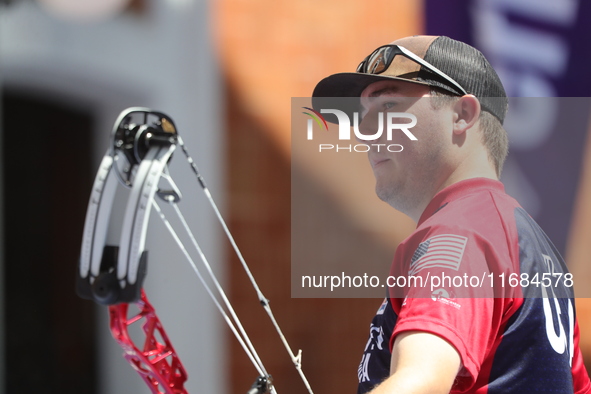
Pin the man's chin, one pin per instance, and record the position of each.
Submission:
(387, 194)
(394, 196)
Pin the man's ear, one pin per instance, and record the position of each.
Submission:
(466, 113)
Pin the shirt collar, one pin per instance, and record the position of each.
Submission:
(457, 190)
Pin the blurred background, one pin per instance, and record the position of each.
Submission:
(226, 71)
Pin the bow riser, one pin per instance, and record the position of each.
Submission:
(157, 362)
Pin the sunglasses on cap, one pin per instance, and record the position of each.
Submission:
(381, 59)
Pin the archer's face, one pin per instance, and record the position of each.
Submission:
(405, 179)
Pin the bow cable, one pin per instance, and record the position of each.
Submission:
(297, 360)
(248, 347)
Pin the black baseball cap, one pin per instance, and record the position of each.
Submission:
(436, 61)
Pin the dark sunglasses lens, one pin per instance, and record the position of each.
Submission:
(379, 61)
(361, 66)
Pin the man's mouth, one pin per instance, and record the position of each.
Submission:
(376, 161)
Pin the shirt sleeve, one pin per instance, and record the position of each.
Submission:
(451, 296)
(466, 325)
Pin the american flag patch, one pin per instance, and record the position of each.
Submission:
(441, 251)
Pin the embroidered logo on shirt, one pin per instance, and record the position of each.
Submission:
(442, 295)
(441, 251)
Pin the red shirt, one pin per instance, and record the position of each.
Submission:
(481, 274)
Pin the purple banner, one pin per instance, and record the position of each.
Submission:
(540, 48)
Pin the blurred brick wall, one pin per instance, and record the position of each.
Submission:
(331, 332)
(270, 52)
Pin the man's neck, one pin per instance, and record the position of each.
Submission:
(485, 171)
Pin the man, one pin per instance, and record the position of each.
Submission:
(499, 338)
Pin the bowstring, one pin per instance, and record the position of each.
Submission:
(217, 284)
(248, 349)
(297, 360)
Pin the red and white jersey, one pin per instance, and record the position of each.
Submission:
(481, 274)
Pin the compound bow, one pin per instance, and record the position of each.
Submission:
(142, 143)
